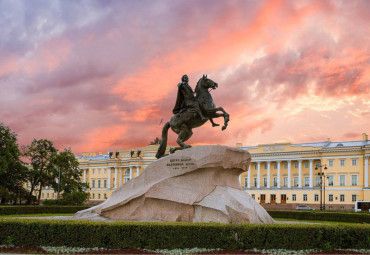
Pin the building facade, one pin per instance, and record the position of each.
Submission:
(281, 176)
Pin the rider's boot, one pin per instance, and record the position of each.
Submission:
(202, 116)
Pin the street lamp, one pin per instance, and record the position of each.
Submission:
(321, 174)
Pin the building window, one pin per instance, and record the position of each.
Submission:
(52, 195)
(265, 166)
(255, 166)
(47, 195)
(93, 184)
(265, 182)
(330, 180)
(354, 198)
(99, 171)
(98, 195)
(105, 171)
(295, 181)
(93, 171)
(105, 183)
(331, 198)
(354, 180)
(331, 162)
(255, 182)
(306, 165)
(342, 197)
(275, 182)
(306, 181)
(127, 172)
(254, 196)
(342, 180)
(304, 197)
(275, 165)
(105, 196)
(285, 165)
(342, 162)
(294, 197)
(245, 182)
(93, 196)
(316, 197)
(354, 162)
(296, 165)
(99, 182)
(317, 181)
(285, 182)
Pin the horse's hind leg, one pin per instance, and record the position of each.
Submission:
(184, 135)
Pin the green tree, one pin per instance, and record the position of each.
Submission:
(42, 173)
(70, 175)
(12, 169)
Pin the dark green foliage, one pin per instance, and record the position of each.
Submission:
(75, 198)
(40, 153)
(322, 215)
(66, 166)
(35, 209)
(12, 169)
(184, 235)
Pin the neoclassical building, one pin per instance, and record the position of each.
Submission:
(286, 175)
(280, 175)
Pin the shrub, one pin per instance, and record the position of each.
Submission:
(154, 235)
(34, 209)
(322, 215)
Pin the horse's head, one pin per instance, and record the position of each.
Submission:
(205, 83)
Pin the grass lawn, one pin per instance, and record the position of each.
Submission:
(36, 215)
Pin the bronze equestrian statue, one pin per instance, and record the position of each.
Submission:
(191, 112)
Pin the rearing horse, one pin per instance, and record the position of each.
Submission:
(183, 122)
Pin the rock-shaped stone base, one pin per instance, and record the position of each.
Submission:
(200, 184)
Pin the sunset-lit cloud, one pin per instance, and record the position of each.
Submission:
(102, 75)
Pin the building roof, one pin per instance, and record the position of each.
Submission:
(324, 145)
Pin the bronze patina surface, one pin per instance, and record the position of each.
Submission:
(192, 110)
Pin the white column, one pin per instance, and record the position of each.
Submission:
(85, 170)
(311, 173)
(366, 184)
(289, 174)
(130, 172)
(240, 179)
(109, 177)
(258, 175)
(268, 174)
(249, 176)
(119, 176)
(278, 175)
(299, 173)
(115, 177)
(137, 171)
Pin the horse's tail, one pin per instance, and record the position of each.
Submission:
(163, 144)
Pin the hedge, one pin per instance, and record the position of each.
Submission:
(35, 209)
(155, 235)
(322, 215)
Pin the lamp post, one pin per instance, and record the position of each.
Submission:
(321, 174)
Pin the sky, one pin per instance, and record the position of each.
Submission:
(102, 75)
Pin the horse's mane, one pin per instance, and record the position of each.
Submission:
(197, 88)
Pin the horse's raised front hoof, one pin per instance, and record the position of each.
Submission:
(224, 127)
(215, 125)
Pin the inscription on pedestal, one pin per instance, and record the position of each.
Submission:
(180, 163)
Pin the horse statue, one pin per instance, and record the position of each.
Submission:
(184, 121)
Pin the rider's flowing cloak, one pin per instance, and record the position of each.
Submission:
(179, 100)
